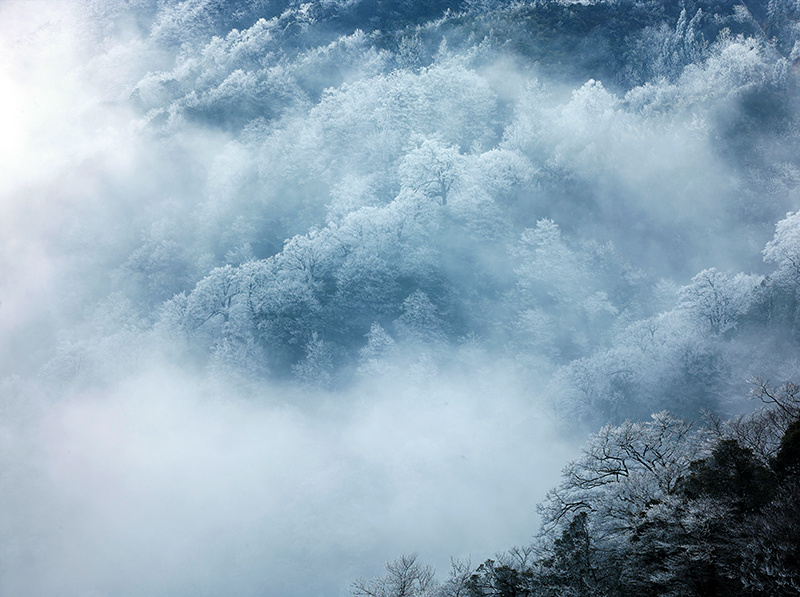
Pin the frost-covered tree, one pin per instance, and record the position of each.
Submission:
(405, 577)
(316, 368)
(720, 300)
(420, 322)
(374, 355)
(431, 169)
(660, 509)
(623, 471)
(784, 251)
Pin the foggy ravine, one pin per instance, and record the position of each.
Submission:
(288, 289)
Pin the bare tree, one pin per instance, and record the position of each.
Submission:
(761, 430)
(457, 584)
(405, 577)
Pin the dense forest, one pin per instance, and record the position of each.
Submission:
(290, 288)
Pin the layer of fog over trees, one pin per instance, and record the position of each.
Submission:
(289, 289)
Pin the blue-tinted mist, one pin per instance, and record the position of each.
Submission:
(288, 289)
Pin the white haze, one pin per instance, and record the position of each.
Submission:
(159, 486)
(156, 479)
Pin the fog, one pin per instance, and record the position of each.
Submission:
(159, 486)
(288, 290)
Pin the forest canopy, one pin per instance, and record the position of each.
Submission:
(389, 253)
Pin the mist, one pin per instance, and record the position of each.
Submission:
(289, 289)
(159, 486)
